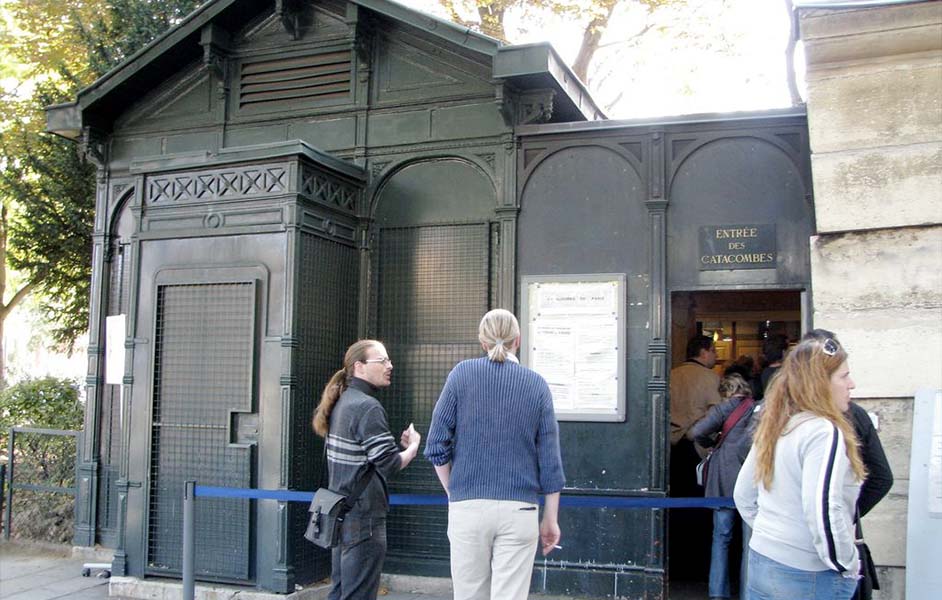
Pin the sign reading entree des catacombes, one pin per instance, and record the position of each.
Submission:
(737, 247)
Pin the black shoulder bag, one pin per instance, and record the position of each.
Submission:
(328, 510)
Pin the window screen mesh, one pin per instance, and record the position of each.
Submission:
(326, 325)
(432, 291)
(204, 356)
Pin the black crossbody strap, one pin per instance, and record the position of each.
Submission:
(361, 485)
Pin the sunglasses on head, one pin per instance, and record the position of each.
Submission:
(831, 347)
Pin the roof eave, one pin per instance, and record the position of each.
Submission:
(527, 61)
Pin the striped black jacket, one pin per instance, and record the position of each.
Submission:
(358, 435)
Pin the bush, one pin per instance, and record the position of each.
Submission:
(41, 459)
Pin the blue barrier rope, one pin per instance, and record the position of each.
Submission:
(207, 491)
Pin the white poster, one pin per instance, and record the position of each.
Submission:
(114, 349)
(572, 340)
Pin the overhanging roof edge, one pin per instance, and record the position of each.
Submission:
(196, 19)
(464, 36)
(550, 63)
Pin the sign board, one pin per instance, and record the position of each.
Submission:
(114, 349)
(574, 336)
(725, 247)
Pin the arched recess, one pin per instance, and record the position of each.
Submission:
(118, 265)
(740, 180)
(580, 210)
(433, 264)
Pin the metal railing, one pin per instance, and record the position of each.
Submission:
(13, 484)
(191, 491)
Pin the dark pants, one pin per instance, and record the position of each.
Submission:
(357, 562)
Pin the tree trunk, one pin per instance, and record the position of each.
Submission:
(492, 21)
(590, 40)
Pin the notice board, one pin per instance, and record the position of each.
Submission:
(574, 336)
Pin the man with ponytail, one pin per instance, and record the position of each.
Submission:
(798, 487)
(359, 444)
(494, 442)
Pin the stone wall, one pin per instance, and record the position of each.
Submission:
(874, 78)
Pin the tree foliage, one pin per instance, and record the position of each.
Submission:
(42, 459)
(55, 48)
(593, 17)
(46, 402)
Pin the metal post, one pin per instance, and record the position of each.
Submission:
(189, 555)
(7, 512)
(3, 480)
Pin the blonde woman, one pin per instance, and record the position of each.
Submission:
(798, 487)
(494, 442)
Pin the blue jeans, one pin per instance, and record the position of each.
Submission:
(724, 519)
(771, 580)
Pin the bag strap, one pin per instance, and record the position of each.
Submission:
(734, 418)
(361, 485)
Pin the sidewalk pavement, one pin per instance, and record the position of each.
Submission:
(30, 571)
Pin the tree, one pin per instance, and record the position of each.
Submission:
(56, 47)
(593, 15)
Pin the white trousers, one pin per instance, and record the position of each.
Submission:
(493, 544)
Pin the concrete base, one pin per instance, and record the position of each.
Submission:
(170, 589)
(93, 553)
(413, 584)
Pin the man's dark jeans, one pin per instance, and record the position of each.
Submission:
(357, 562)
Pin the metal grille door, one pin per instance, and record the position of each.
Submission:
(204, 361)
(432, 291)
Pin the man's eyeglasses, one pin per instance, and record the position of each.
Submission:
(831, 347)
(385, 360)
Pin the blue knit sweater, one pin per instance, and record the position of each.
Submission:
(494, 422)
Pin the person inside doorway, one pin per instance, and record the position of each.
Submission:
(725, 428)
(694, 388)
(773, 351)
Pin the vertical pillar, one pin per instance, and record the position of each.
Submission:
(87, 493)
(119, 563)
(658, 344)
(508, 207)
(657, 351)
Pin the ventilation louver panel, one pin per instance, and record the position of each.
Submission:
(285, 81)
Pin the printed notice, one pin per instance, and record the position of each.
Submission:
(114, 348)
(572, 340)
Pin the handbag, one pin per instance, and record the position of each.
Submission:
(703, 466)
(868, 572)
(328, 510)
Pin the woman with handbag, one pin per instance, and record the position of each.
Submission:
(724, 429)
(360, 448)
(798, 487)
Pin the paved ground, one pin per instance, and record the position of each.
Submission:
(29, 572)
(34, 572)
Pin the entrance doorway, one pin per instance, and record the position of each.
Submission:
(739, 322)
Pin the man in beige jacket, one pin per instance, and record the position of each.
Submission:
(694, 389)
